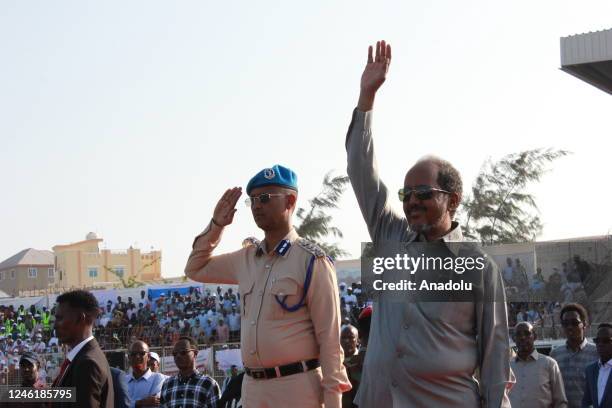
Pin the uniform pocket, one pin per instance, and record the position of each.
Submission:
(286, 290)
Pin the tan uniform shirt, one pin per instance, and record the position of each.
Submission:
(538, 383)
(271, 336)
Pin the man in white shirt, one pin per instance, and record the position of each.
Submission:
(538, 379)
(598, 392)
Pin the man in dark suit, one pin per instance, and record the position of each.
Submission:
(120, 388)
(598, 392)
(85, 367)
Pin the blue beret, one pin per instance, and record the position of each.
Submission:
(276, 175)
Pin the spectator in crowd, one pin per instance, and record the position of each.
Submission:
(86, 367)
(598, 390)
(508, 272)
(222, 332)
(576, 354)
(189, 388)
(349, 339)
(232, 389)
(538, 379)
(120, 389)
(234, 325)
(144, 385)
(154, 364)
(29, 366)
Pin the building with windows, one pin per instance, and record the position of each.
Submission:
(28, 270)
(84, 264)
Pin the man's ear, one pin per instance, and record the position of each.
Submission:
(454, 199)
(291, 200)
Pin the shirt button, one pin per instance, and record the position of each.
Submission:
(267, 266)
(252, 322)
(281, 294)
(252, 351)
(273, 280)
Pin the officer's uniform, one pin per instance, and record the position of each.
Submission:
(290, 318)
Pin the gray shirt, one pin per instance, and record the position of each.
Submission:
(572, 365)
(425, 354)
(538, 383)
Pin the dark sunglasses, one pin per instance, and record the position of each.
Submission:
(262, 198)
(420, 192)
(138, 353)
(570, 323)
(602, 341)
(182, 352)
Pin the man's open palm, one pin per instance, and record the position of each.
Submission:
(377, 67)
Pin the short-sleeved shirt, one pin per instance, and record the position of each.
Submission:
(538, 383)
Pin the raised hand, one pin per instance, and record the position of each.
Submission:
(374, 74)
(226, 207)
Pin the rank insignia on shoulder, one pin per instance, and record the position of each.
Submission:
(311, 247)
(250, 241)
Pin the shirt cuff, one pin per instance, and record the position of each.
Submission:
(332, 399)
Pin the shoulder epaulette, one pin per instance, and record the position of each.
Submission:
(311, 247)
(250, 241)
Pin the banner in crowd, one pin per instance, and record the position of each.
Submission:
(227, 358)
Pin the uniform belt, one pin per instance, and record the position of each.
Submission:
(284, 370)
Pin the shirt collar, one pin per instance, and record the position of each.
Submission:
(75, 350)
(534, 356)
(146, 376)
(607, 365)
(453, 236)
(283, 247)
(582, 345)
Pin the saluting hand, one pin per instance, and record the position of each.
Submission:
(226, 207)
(374, 74)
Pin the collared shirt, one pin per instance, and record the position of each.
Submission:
(196, 391)
(572, 365)
(270, 335)
(75, 350)
(148, 384)
(400, 368)
(538, 383)
(602, 379)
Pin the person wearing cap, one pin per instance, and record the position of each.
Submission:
(154, 364)
(290, 328)
(29, 365)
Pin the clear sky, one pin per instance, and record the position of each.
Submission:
(130, 118)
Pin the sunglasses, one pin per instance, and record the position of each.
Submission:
(602, 341)
(138, 353)
(262, 198)
(182, 352)
(570, 323)
(420, 192)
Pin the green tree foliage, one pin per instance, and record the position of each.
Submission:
(499, 209)
(315, 223)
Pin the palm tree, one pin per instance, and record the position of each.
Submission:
(499, 210)
(315, 223)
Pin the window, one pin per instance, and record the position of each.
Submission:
(51, 274)
(32, 273)
(12, 274)
(1, 275)
(92, 271)
(119, 270)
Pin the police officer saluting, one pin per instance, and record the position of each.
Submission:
(290, 323)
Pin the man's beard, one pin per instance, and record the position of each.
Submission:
(420, 228)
